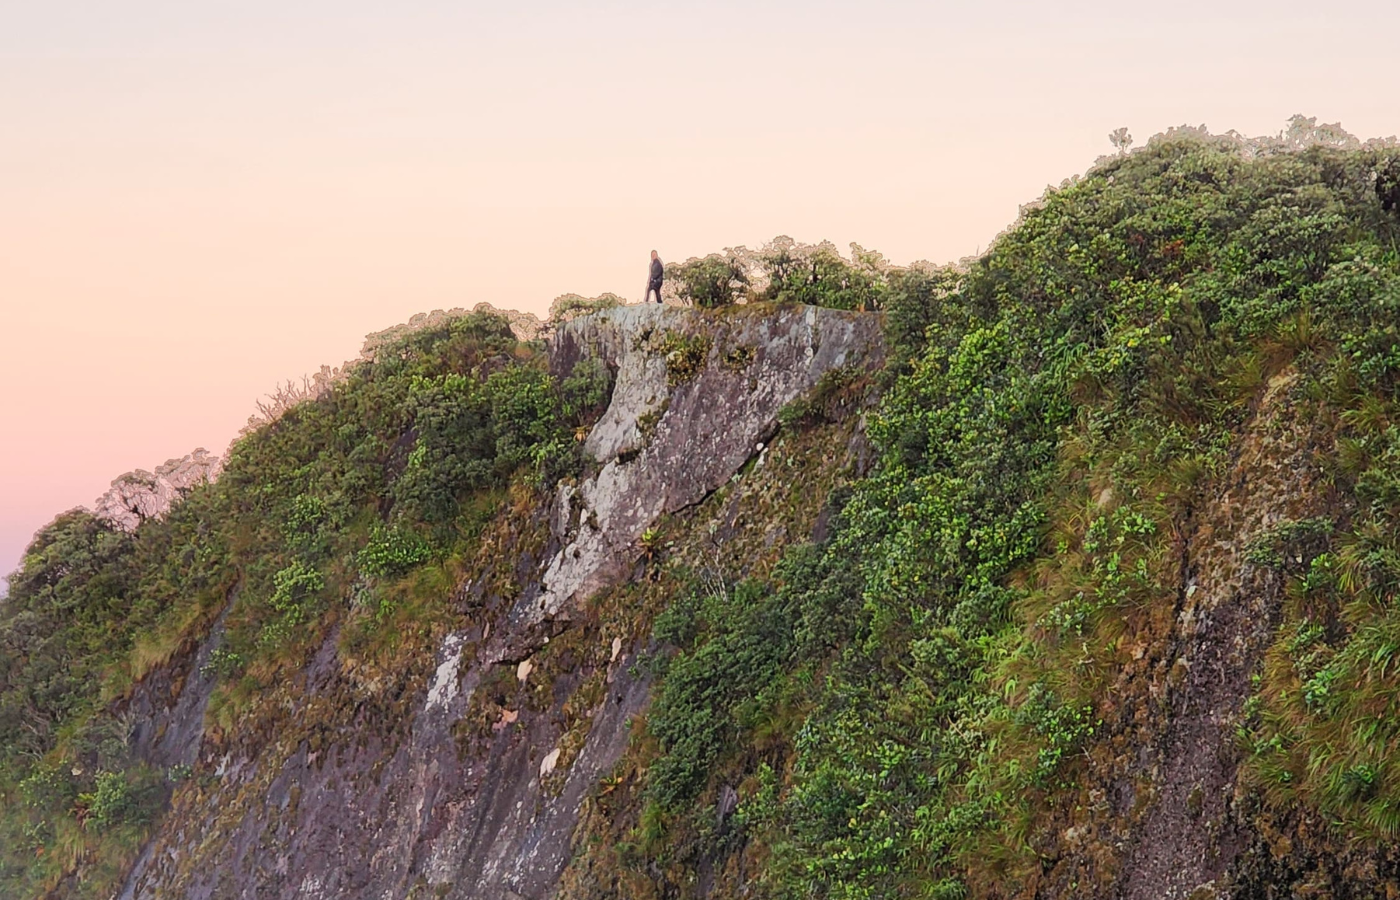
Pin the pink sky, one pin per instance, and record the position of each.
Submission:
(200, 200)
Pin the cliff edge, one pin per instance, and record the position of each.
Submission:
(431, 796)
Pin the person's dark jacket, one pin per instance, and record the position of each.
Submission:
(657, 274)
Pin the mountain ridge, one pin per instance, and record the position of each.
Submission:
(1067, 573)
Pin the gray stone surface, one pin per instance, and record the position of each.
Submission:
(704, 428)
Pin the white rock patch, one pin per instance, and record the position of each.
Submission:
(444, 686)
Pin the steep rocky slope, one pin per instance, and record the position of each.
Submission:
(388, 795)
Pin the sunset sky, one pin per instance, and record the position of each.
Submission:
(199, 199)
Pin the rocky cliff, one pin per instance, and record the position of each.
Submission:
(470, 781)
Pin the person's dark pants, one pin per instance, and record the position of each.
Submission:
(650, 288)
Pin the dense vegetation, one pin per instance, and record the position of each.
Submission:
(354, 508)
(912, 704)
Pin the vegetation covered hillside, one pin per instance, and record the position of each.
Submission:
(354, 512)
(1115, 614)
(1091, 592)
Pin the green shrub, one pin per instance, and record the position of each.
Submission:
(711, 281)
(392, 551)
(685, 355)
(114, 801)
(732, 645)
(585, 392)
(223, 663)
(819, 276)
(569, 306)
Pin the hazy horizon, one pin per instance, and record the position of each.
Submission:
(199, 203)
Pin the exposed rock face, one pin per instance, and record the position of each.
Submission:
(1164, 790)
(454, 797)
(1192, 830)
(141, 495)
(704, 429)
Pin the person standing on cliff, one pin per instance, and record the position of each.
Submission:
(658, 274)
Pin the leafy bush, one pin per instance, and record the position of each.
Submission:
(685, 356)
(570, 306)
(585, 392)
(733, 643)
(295, 586)
(711, 281)
(114, 801)
(918, 311)
(392, 551)
(819, 276)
